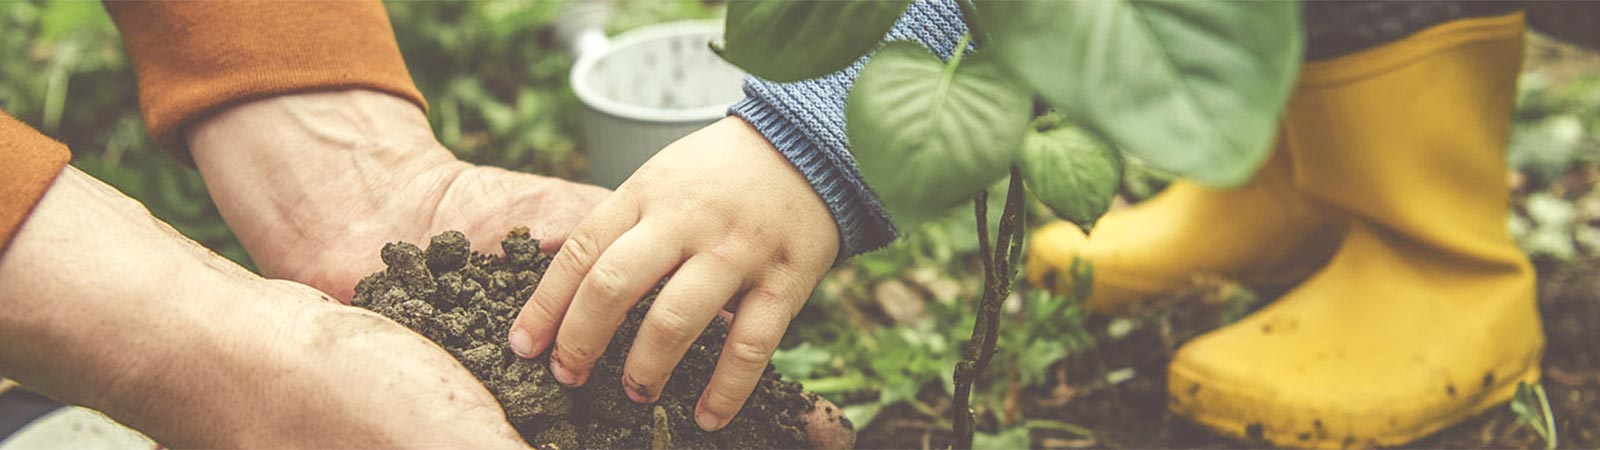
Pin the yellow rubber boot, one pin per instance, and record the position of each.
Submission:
(1426, 315)
(1263, 234)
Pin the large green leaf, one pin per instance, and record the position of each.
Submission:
(928, 135)
(785, 41)
(1073, 172)
(1194, 87)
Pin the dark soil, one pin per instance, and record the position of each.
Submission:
(466, 301)
(1133, 413)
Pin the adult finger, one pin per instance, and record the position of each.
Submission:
(696, 293)
(535, 326)
(630, 267)
(764, 313)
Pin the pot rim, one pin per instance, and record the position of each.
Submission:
(592, 99)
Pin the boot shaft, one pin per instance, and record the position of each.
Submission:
(1411, 137)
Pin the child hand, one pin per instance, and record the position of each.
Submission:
(735, 225)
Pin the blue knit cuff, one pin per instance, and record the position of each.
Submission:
(805, 121)
(863, 222)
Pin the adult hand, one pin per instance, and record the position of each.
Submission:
(737, 227)
(314, 183)
(107, 307)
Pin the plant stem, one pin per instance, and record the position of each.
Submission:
(956, 56)
(980, 207)
(1549, 419)
(999, 269)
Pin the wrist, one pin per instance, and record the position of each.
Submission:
(294, 173)
(205, 356)
(107, 306)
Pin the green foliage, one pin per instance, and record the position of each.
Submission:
(1548, 228)
(1193, 87)
(1010, 438)
(65, 73)
(1050, 328)
(1196, 87)
(891, 364)
(816, 38)
(881, 362)
(1532, 408)
(494, 80)
(1072, 171)
(1555, 150)
(928, 134)
(800, 361)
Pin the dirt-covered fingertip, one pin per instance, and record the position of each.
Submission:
(638, 392)
(826, 425)
(521, 343)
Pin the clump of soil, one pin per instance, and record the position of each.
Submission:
(466, 301)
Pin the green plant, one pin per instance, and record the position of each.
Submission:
(1193, 87)
(1532, 408)
(847, 348)
(65, 73)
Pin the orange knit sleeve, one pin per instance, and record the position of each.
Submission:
(29, 162)
(195, 57)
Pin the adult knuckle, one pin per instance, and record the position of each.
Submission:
(672, 325)
(605, 284)
(722, 259)
(764, 295)
(748, 354)
(722, 398)
(579, 248)
(538, 310)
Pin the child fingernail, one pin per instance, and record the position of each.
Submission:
(563, 376)
(636, 391)
(521, 343)
(633, 394)
(707, 421)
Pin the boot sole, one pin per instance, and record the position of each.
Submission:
(1318, 437)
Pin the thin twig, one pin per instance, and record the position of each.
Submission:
(999, 271)
(980, 207)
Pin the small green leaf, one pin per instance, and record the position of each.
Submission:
(927, 134)
(786, 41)
(848, 383)
(1010, 438)
(801, 361)
(1532, 408)
(1194, 87)
(1072, 172)
(861, 415)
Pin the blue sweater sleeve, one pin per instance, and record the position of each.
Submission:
(805, 121)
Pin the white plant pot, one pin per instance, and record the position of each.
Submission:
(645, 89)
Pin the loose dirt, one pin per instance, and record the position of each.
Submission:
(1132, 413)
(465, 301)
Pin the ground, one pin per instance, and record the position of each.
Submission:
(879, 334)
(1132, 413)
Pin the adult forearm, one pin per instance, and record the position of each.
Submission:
(94, 312)
(104, 306)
